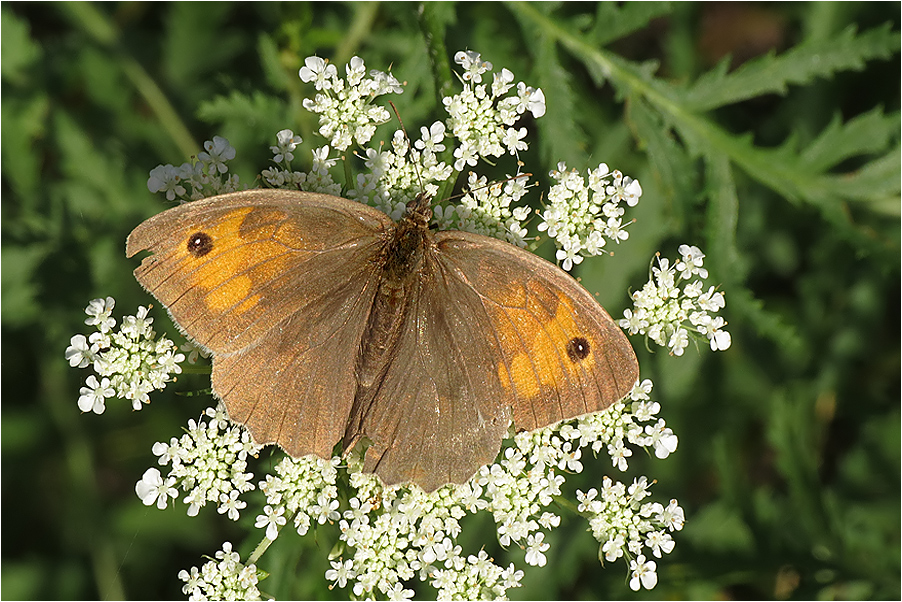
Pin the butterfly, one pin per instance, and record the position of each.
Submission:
(329, 322)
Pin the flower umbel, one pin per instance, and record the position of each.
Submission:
(668, 314)
(581, 217)
(222, 578)
(131, 362)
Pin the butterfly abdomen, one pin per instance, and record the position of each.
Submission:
(401, 260)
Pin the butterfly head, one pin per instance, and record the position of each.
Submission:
(419, 211)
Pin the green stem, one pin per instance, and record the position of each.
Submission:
(258, 551)
(434, 36)
(96, 24)
(361, 25)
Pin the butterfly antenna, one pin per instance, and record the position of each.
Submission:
(409, 144)
(525, 174)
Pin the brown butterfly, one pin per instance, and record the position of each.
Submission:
(330, 322)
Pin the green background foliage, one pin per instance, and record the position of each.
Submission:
(766, 134)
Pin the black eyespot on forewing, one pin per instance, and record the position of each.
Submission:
(199, 244)
(578, 349)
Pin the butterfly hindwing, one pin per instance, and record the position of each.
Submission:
(562, 355)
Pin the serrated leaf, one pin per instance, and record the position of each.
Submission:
(802, 64)
(562, 138)
(17, 48)
(866, 133)
(670, 164)
(723, 217)
(20, 291)
(275, 73)
(614, 20)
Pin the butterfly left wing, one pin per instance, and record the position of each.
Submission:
(278, 285)
(561, 354)
(494, 334)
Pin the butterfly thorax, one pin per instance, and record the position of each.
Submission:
(401, 260)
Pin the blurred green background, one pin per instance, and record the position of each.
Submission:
(766, 134)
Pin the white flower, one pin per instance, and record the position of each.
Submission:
(535, 546)
(272, 520)
(662, 438)
(99, 314)
(78, 354)
(287, 142)
(613, 548)
(168, 179)
(658, 542)
(678, 341)
(230, 504)
(531, 99)
(432, 138)
(385, 83)
(217, 152)
(569, 255)
(317, 70)
(153, 489)
(341, 572)
(643, 574)
(672, 517)
(223, 578)
(92, 397)
(691, 262)
(473, 65)
(633, 322)
(720, 340)
(513, 139)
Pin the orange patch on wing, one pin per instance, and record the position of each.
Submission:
(537, 343)
(239, 259)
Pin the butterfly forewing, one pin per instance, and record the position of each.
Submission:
(263, 256)
(280, 293)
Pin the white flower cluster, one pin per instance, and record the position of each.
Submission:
(396, 176)
(224, 578)
(318, 179)
(662, 309)
(345, 107)
(400, 533)
(208, 462)
(622, 523)
(581, 217)
(207, 176)
(481, 118)
(394, 535)
(486, 209)
(131, 362)
(303, 488)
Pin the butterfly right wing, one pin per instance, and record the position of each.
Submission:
(278, 285)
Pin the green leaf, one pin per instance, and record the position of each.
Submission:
(18, 50)
(869, 132)
(799, 65)
(617, 20)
